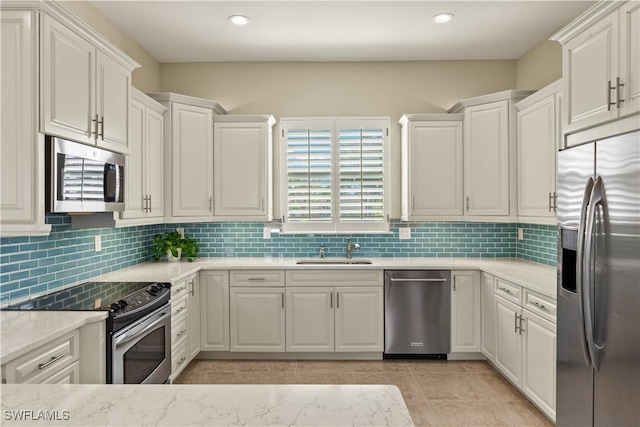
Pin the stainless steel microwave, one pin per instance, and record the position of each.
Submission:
(82, 178)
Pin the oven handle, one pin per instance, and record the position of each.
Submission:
(140, 328)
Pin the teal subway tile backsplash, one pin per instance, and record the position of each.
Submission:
(29, 265)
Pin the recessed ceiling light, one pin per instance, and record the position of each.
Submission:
(441, 18)
(239, 19)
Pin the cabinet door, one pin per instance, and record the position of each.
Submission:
(134, 163)
(309, 319)
(539, 362)
(214, 310)
(192, 161)
(19, 198)
(257, 319)
(508, 340)
(590, 67)
(154, 163)
(486, 153)
(193, 348)
(435, 181)
(465, 312)
(487, 309)
(113, 83)
(68, 86)
(536, 158)
(240, 165)
(630, 57)
(359, 319)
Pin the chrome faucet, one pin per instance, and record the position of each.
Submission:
(322, 250)
(350, 248)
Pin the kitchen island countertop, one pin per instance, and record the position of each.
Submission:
(204, 405)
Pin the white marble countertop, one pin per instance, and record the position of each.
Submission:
(22, 331)
(537, 277)
(204, 405)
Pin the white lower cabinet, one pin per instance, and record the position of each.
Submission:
(359, 319)
(465, 312)
(310, 319)
(257, 319)
(539, 361)
(214, 310)
(525, 342)
(487, 308)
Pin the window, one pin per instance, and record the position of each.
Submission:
(335, 177)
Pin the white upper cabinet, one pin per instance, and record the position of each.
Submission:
(188, 134)
(490, 154)
(21, 148)
(144, 187)
(85, 90)
(431, 166)
(243, 157)
(600, 65)
(538, 143)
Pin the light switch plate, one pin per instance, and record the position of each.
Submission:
(98, 243)
(520, 233)
(180, 231)
(266, 232)
(405, 233)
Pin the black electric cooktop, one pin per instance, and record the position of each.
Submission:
(84, 297)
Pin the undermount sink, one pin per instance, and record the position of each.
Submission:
(334, 261)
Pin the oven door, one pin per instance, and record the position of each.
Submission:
(141, 352)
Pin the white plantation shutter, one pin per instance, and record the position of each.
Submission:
(334, 179)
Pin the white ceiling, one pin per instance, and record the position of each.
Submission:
(339, 30)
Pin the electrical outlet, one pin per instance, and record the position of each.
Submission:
(180, 231)
(520, 233)
(405, 233)
(98, 243)
(266, 232)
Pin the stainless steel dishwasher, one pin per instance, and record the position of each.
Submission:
(417, 313)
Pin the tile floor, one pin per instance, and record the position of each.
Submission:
(437, 393)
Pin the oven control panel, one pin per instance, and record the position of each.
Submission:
(142, 298)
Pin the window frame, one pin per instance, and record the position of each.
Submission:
(335, 124)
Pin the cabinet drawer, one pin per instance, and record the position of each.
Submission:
(45, 361)
(334, 278)
(178, 359)
(179, 331)
(179, 288)
(179, 308)
(256, 278)
(508, 291)
(543, 306)
(68, 375)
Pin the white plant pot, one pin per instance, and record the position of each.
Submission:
(172, 258)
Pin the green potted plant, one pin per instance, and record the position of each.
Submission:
(172, 245)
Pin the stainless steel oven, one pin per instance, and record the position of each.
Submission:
(141, 351)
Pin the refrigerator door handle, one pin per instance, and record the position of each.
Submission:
(580, 269)
(597, 199)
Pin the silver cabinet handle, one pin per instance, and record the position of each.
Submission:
(413, 203)
(102, 132)
(467, 203)
(149, 196)
(505, 290)
(520, 326)
(256, 279)
(283, 300)
(210, 204)
(191, 282)
(181, 289)
(181, 361)
(537, 304)
(181, 333)
(53, 359)
(337, 299)
(618, 87)
(454, 283)
(96, 126)
(181, 309)
(418, 280)
(515, 323)
(550, 202)
(331, 300)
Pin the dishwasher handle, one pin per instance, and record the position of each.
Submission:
(393, 279)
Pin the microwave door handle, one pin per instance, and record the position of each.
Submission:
(596, 200)
(580, 270)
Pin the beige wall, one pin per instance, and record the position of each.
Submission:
(340, 89)
(540, 66)
(145, 78)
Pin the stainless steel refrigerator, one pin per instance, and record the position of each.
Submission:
(598, 342)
